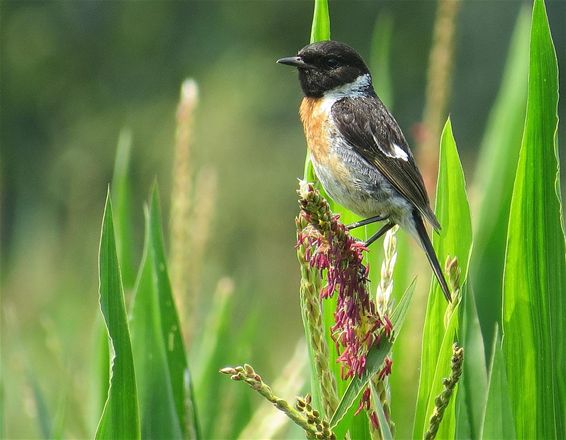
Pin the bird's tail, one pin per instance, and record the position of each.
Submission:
(430, 254)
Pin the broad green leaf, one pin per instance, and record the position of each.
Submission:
(170, 328)
(534, 281)
(120, 415)
(380, 58)
(498, 420)
(493, 180)
(383, 425)
(158, 414)
(121, 198)
(454, 240)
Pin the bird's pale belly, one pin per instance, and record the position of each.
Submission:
(357, 186)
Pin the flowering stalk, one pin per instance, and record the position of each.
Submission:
(383, 294)
(329, 246)
(303, 415)
(312, 319)
(443, 399)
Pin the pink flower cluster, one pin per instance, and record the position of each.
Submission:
(358, 326)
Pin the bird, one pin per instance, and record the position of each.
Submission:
(357, 149)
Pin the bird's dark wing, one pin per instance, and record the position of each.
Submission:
(373, 133)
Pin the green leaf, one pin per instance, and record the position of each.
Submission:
(534, 280)
(179, 374)
(158, 414)
(320, 30)
(455, 239)
(493, 180)
(383, 425)
(121, 198)
(498, 420)
(120, 415)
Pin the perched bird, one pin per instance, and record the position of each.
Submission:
(357, 149)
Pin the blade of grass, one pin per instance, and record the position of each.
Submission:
(498, 420)
(493, 180)
(41, 410)
(121, 198)
(455, 239)
(170, 327)
(158, 414)
(534, 326)
(320, 30)
(120, 417)
(383, 425)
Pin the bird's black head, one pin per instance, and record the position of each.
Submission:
(327, 65)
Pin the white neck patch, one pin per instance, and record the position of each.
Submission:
(356, 88)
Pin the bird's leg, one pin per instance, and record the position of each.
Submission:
(367, 221)
(379, 233)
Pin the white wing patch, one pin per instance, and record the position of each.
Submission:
(397, 153)
(400, 153)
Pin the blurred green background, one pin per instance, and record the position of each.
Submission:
(73, 74)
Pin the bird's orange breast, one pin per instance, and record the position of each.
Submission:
(315, 123)
(329, 165)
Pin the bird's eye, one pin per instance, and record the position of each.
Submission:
(331, 62)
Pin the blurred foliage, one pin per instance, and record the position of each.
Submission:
(75, 73)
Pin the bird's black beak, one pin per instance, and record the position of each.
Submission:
(295, 62)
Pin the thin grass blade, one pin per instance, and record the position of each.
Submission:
(498, 420)
(41, 408)
(534, 324)
(383, 425)
(121, 198)
(212, 352)
(120, 417)
(320, 30)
